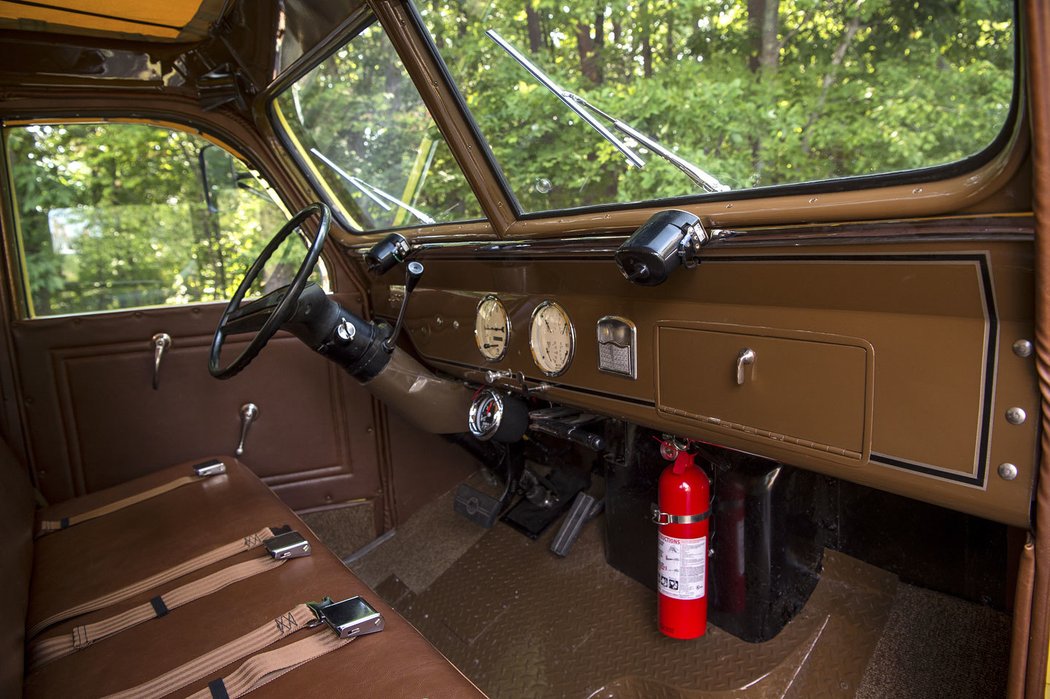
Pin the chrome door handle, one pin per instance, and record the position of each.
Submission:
(249, 413)
(746, 358)
(161, 344)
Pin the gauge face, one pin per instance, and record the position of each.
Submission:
(551, 338)
(492, 329)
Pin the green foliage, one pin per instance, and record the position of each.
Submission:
(855, 87)
(142, 235)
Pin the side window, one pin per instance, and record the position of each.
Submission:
(357, 121)
(117, 215)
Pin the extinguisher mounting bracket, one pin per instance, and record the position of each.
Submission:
(662, 518)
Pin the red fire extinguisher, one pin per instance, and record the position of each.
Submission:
(682, 516)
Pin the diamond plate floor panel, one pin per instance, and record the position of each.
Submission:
(521, 622)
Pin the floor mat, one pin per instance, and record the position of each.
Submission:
(520, 622)
(423, 548)
(938, 646)
(343, 529)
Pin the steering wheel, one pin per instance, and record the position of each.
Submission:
(266, 314)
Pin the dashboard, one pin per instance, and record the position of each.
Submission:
(898, 363)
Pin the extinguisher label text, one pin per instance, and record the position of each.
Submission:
(682, 567)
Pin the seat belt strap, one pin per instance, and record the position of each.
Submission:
(223, 552)
(201, 471)
(46, 650)
(266, 667)
(274, 630)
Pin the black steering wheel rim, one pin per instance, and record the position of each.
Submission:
(287, 305)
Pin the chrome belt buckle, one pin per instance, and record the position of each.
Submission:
(351, 617)
(209, 468)
(287, 545)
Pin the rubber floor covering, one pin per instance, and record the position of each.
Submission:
(521, 622)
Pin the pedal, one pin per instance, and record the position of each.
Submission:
(531, 518)
(479, 508)
(583, 508)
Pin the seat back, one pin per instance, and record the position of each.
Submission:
(17, 506)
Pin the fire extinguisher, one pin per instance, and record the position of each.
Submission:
(682, 514)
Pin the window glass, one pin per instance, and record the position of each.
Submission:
(744, 93)
(116, 215)
(360, 124)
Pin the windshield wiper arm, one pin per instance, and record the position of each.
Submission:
(571, 101)
(583, 108)
(374, 193)
(693, 172)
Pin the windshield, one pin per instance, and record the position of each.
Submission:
(611, 103)
(361, 128)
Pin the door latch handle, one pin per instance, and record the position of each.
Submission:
(161, 344)
(746, 358)
(249, 413)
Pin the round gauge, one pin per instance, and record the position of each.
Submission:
(551, 338)
(492, 329)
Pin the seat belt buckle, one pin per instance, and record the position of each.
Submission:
(206, 469)
(351, 617)
(289, 544)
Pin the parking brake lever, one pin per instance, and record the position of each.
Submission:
(413, 273)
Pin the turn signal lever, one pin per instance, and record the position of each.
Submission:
(413, 273)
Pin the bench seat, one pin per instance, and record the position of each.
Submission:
(98, 556)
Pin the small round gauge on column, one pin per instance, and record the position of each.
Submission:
(552, 338)
(492, 329)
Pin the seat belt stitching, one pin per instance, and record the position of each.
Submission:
(159, 608)
(286, 623)
(217, 688)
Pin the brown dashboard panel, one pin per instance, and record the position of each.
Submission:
(906, 385)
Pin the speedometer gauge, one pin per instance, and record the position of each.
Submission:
(551, 338)
(492, 328)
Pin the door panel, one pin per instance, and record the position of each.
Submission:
(94, 420)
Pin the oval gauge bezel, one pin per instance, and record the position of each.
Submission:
(506, 326)
(572, 337)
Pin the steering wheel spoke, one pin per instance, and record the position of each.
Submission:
(252, 316)
(266, 314)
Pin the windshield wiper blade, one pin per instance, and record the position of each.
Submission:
(374, 193)
(583, 108)
(693, 172)
(570, 100)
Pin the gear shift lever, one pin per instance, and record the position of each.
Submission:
(412, 276)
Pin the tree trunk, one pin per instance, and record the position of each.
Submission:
(837, 57)
(590, 65)
(532, 20)
(763, 22)
(646, 39)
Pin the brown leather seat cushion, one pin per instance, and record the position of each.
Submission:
(101, 555)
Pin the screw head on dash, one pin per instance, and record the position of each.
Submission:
(1007, 471)
(1023, 348)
